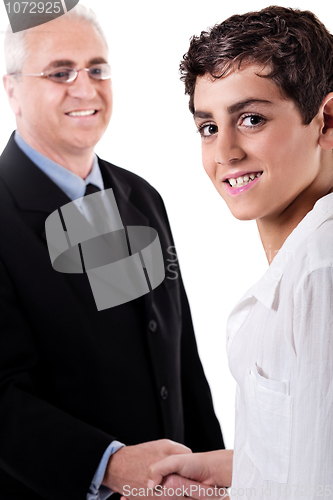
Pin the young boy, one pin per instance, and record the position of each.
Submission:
(261, 93)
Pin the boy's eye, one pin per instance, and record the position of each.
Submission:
(207, 130)
(252, 120)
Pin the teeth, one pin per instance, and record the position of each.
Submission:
(82, 113)
(243, 180)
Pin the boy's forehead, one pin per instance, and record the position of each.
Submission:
(245, 71)
(248, 83)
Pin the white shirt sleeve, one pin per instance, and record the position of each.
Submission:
(312, 432)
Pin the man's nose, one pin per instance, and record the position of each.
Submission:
(83, 86)
(228, 147)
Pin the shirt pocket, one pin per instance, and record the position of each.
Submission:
(269, 416)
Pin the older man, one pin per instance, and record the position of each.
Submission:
(77, 383)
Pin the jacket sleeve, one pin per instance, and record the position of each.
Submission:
(49, 451)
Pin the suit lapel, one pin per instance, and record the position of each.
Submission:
(130, 213)
(34, 191)
(31, 188)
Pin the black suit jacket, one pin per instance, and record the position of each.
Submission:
(73, 379)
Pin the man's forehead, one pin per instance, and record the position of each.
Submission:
(62, 25)
(66, 42)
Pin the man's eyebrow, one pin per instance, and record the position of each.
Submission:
(238, 106)
(60, 63)
(97, 60)
(68, 63)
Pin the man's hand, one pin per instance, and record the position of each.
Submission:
(212, 468)
(129, 466)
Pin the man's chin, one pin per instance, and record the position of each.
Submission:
(82, 141)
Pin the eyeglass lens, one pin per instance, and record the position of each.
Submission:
(66, 75)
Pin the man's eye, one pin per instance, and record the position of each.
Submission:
(207, 130)
(61, 74)
(95, 70)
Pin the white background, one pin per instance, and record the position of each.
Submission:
(152, 133)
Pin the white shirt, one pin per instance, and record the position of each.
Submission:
(280, 350)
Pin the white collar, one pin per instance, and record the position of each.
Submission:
(266, 288)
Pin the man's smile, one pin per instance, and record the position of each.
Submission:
(80, 113)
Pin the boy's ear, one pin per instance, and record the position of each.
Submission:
(326, 134)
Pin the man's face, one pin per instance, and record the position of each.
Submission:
(254, 139)
(43, 107)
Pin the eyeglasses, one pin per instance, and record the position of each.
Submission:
(68, 75)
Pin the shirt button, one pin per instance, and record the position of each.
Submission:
(152, 325)
(164, 392)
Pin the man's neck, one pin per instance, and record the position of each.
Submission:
(79, 161)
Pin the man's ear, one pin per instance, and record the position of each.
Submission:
(11, 88)
(326, 134)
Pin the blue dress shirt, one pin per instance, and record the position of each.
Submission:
(74, 187)
(70, 183)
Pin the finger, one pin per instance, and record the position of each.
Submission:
(182, 449)
(175, 486)
(199, 491)
(169, 465)
(174, 448)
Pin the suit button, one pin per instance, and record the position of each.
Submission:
(152, 325)
(164, 392)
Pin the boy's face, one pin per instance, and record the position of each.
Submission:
(255, 138)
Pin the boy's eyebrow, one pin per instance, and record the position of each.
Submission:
(242, 104)
(202, 114)
(233, 108)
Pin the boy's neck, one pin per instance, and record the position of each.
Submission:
(275, 230)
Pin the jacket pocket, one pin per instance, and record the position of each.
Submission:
(269, 414)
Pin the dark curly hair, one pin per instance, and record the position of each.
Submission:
(294, 44)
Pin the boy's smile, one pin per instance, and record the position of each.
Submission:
(262, 159)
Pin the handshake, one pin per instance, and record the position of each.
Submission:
(169, 471)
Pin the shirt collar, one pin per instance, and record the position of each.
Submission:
(71, 184)
(266, 288)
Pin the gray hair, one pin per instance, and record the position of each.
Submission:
(15, 45)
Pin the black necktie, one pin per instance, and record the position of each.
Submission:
(95, 210)
(90, 189)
